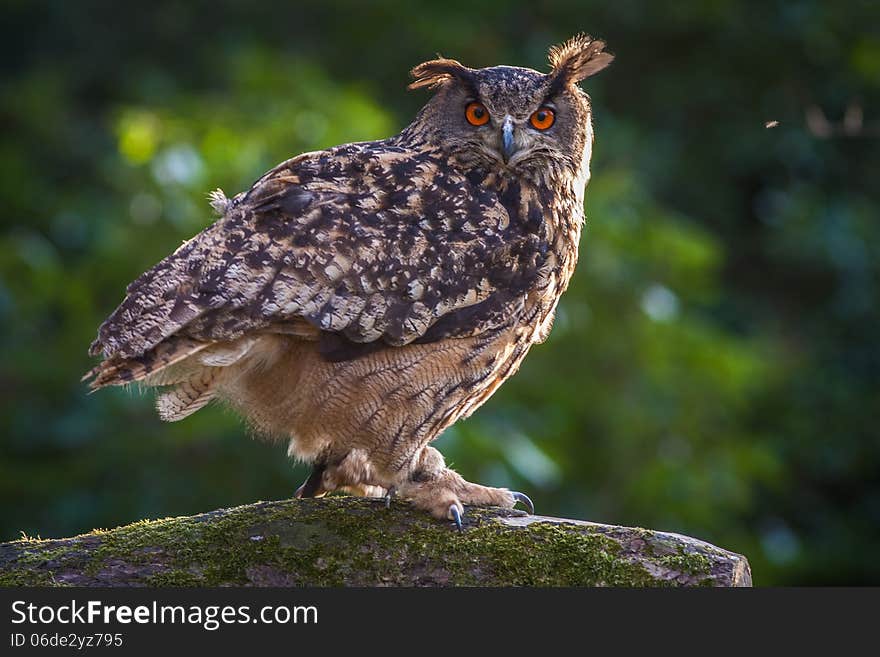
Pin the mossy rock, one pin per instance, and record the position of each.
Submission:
(345, 541)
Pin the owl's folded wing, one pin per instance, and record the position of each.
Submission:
(389, 253)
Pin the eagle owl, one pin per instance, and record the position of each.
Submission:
(357, 301)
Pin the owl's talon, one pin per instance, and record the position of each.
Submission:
(312, 486)
(455, 516)
(390, 494)
(522, 497)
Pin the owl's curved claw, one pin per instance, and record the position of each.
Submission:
(455, 516)
(312, 487)
(390, 494)
(522, 497)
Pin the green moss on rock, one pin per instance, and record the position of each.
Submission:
(349, 541)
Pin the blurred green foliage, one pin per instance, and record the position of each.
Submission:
(714, 366)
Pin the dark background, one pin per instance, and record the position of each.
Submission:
(714, 366)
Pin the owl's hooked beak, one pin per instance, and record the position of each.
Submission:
(508, 146)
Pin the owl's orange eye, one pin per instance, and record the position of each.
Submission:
(476, 114)
(543, 118)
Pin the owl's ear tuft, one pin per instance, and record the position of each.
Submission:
(436, 72)
(578, 58)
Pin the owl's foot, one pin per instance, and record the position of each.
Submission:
(350, 474)
(443, 492)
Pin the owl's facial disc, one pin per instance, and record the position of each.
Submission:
(518, 130)
(511, 140)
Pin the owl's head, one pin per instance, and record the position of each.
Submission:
(510, 119)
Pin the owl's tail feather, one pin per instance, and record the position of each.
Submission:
(170, 362)
(196, 378)
(189, 396)
(194, 368)
(121, 371)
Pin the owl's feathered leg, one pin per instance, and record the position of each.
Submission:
(443, 492)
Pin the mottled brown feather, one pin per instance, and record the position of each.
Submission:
(338, 249)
